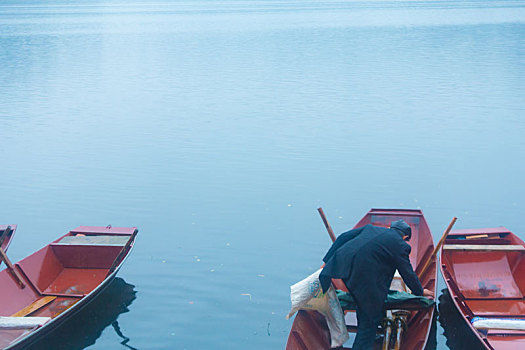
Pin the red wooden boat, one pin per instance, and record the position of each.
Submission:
(45, 289)
(484, 270)
(7, 233)
(309, 330)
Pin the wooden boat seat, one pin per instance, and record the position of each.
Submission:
(105, 240)
(36, 305)
(484, 247)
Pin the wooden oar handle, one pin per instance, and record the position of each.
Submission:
(14, 273)
(438, 246)
(326, 224)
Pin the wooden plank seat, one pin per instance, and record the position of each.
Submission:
(21, 322)
(110, 240)
(36, 305)
(484, 247)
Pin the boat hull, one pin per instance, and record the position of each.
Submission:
(309, 330)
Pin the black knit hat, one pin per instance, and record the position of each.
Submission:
(402, 227)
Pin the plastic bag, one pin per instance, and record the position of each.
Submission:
(308, 295)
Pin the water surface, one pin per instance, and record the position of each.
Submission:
(218, 128)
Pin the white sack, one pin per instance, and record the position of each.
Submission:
(498, 323)
(308, 295)
(22, 322)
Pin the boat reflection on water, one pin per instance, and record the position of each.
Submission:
(84, 328)
(459, 335)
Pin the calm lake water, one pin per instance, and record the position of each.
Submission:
(219, 127)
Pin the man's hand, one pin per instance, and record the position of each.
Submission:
(428, 293)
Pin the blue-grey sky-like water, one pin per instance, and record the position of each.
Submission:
(218, 128)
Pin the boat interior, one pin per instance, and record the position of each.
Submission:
(50, 281)
(309, 326)
(485, 272)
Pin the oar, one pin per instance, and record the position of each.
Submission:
(3, 257)
(438, 246)
(4, 235)
(326, 224)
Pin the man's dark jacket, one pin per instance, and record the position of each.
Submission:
(366, 259)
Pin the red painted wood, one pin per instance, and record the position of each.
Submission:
(478, 231)
(73, 273)
(309, 331)
(104, 230)
(487, 283)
